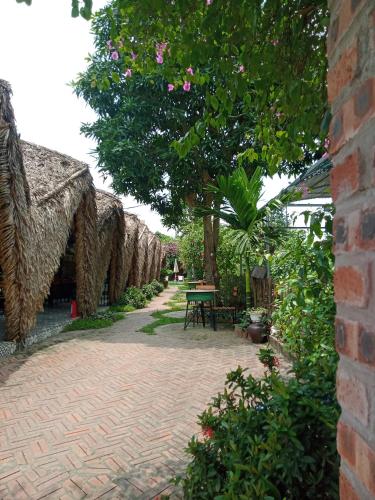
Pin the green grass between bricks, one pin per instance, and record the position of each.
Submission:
(160, 320)
(92, 323)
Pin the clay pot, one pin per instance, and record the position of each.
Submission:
(257, 332)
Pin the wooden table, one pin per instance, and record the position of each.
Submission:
(198, 298)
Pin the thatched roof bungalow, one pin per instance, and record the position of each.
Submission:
(111, 245)
(57, 232)
(46, 197)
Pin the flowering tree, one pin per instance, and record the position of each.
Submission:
(269, 54)
(139, 117)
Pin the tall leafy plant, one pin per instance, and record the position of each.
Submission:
(250, 224)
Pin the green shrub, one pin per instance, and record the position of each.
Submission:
(271, 438)
(148, 291)
(305, 308)
(157, 286)
(94, 322)
(133, 297)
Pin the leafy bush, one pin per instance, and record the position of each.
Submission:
(148, 291)
(134, 297)
(94, 322)
(269, 438)
(157, 286)
(305, 308)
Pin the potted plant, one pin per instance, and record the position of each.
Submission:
(256, 330)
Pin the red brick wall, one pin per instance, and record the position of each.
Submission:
(351, 90)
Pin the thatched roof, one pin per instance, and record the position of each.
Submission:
(45, 196)
(158, 257)
(14, 204)
(143, 240)
(111, 244)
(62, 201)
(150, 257)
(132, 224)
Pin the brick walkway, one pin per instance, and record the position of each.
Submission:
(107, 414)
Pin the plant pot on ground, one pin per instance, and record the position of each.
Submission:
(257, 331)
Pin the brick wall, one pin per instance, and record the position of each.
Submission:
(351, 90)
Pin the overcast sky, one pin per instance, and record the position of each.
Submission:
(41, 50)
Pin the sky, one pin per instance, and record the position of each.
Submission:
(42, 49)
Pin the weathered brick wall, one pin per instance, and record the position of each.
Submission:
(351, 90)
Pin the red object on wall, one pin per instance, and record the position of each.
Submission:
(73, 309)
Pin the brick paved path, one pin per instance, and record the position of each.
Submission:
(107, 414)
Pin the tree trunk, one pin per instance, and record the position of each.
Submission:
(211, 232)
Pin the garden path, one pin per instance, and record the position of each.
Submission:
(107, 413)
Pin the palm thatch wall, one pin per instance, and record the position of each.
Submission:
(62, 201)
(14, 208)
(143, 242)
(44, 195)
(158, 257)
(132, 224)
(111, 244)
(151, 251)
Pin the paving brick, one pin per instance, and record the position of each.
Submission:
(108, 414)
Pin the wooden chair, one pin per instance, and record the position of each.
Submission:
(215, 310)
(206, 287)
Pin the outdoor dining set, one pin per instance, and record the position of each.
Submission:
(201, 304)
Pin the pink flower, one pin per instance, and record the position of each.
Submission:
(186, 86)
(133, 55)
(327, 142)
(159, 58)
(241, 69)
(190, 70)
(128, 73)
(170, 87)
(275, 42)
(115, 55)
(325, 156)
(160, 47)
(109, 44)
(209, 2)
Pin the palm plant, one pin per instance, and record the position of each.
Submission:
(240, 197)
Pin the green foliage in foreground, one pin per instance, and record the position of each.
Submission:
(160, 320)
(94, 322)
(271, 438)
(275, 437)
